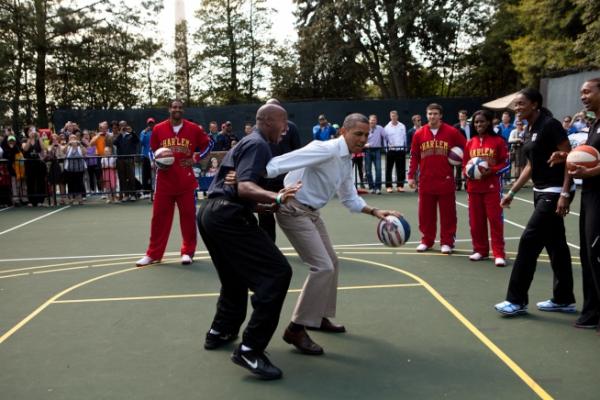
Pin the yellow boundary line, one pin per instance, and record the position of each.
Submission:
(472, 328)
(513, 366)
(41, 308)
(216, 294)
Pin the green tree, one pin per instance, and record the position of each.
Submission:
(234, 49)
(551, 28)
(588, 43)
(486, 69)
(390, 36)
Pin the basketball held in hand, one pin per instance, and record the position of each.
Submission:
(164, 158)
(476, 167)
(583, 156)
(455, 156)
(393, 231)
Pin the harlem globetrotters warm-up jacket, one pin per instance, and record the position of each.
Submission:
(191, 138)
(429, 153)
(493, 149)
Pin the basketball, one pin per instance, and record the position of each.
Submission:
(584, 156)
(455, 156)
(164, 158)
(393, 231)
(475, 168)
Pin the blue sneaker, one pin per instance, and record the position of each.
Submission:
(549, 305)
(508, 308)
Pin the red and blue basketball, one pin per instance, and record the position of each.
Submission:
(475, 168)
(455, 156)
(393, 231)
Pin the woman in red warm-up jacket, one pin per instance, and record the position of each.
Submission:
(484, 193)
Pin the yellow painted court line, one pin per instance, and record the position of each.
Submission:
(59, 270)
(216, 294)
(41, 308)
(533, 385)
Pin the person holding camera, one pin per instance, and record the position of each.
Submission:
(35, 169)
(126, 142)
(74, 169)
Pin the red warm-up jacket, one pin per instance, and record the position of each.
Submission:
(191, 138)
(430, 154)
(493, 149)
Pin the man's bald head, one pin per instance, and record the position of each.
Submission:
(273, 101)
(271, 120)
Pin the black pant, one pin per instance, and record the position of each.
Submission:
(397, 158)
(357, 162)
(74, 181)
(589, 233)
(146, 175)
(544, 229)
(245, 258)
(95, 175)
(35, 176)
(126, 173)
(458, 177)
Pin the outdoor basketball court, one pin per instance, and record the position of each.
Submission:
(79, 321)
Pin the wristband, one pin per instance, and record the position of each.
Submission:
(372, 212)
(278, 199)
(511, 194)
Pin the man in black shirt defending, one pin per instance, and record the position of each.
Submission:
(244, 255)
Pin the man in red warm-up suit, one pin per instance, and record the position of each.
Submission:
(429, 153)
(175, 184)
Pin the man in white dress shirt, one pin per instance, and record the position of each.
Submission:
(324, 168)
(394, 138)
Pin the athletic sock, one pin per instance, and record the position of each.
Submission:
(245, 348)
(213, 332)
(294, 327)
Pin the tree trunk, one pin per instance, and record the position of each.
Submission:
(233, 86)
(16, 101)
(41, 49)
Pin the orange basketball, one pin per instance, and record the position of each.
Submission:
(584, 156)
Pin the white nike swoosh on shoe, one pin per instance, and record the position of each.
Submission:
(252, 365)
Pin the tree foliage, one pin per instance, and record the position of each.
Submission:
(235, 49)
(547, 43)
(73, 56)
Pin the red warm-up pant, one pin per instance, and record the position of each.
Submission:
(484, 208)
(428, 207)
(162, 219)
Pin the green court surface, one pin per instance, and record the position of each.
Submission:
(79, 321)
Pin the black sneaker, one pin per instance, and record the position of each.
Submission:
(215, 341)
(257, 363)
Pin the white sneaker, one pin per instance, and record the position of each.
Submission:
(500, 262)
(549, 305)
(144, 261)
(186, 260)
(422, 247)
(476, 257)
(446, 249)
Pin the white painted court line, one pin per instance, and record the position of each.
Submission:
(6, 208)
(515, 224)
(531, 202)
(33, 220)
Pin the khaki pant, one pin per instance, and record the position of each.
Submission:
(306, 231)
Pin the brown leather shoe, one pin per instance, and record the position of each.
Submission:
(328, 326)
(302, 342)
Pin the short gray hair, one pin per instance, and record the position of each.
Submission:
(353, 119)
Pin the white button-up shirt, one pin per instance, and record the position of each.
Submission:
(395, 135)
(325, 168)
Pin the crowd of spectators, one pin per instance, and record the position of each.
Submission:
(43, 167)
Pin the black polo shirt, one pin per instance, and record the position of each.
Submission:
(541, 141)
(249, 159)
(593, 139)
